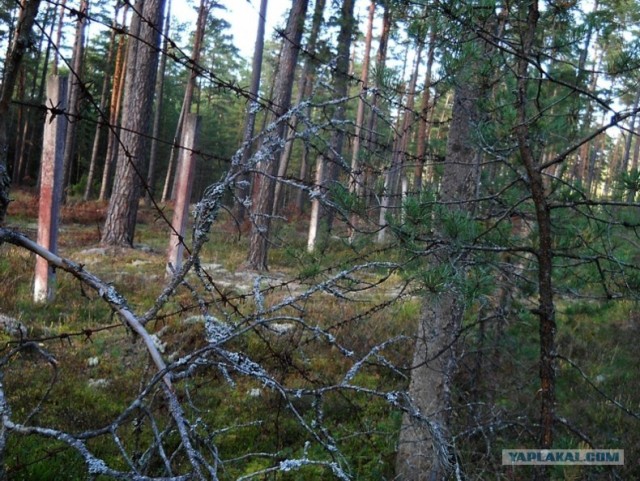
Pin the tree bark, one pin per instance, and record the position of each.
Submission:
(21, 124)
(75, 90)
(314, 218)
(242, 188)
(624, 164)
(183, 193)
(114, 112)
(372, 123)
(169, 181)
(424, 126)
(307, 79)
(33, 128)
(546, 307)
(425, 450)
(392, 196)
(101, 114)
(304, 90)
(143, 50)
(584, 153)
(424, 446)
(50, 191)
(264, 183)
(56, 55)
(157, 114)
(21, 42)
(335, 160)
(355, 182)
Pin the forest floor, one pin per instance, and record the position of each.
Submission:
(101, 367)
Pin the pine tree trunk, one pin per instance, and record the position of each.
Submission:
(372, 123)
(56, 55)
(264, 184)
(546, 307)
(355, 182)
(102, 111)
(307, 80)
(32, 128)
(75, 90)
(21, 124)
(157, 114)
(170, 180)
(584, 153)
(392, 198)
(424, 126)
(314, 218)
(425, 446)
(12, 65)
(304, 90)
(114, 112)
(624, 164)
(425, 443)
(335, 161)
(143, 50)
(242, 186)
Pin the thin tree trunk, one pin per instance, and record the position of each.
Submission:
(636, 150)
(582, 165)
(594, 165)
(631, 194)
(308, 79)
(584, 151)
(355, 182)
(75, 90)
(272, 89)
(21, 124)
(424, 126)
(114, 112)
(304, 90)
(371, 134)
(624, 164)
(335, 161)
(157, 115)
(185, 175)
(33, 128)
(264, 184)
(169, 181)
(546, 308)
(364, 86)
(18, 48)
(314, 219)
(618, 152)
(391, 198)
(56, 56)
(242, 189)
(103, 106)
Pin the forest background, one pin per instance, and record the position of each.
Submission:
(412, 239)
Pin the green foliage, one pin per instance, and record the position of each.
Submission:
(346, 201)
(631, 182)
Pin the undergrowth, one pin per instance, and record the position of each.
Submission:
(100, 366)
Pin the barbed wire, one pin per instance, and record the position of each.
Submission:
(227, 316)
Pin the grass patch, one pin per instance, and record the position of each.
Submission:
(101, 367)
